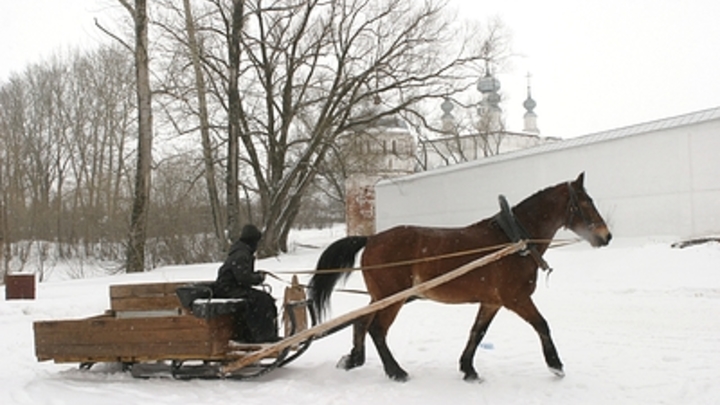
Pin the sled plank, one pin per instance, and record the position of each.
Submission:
(123, 353)
(144, 297)
(107, 337)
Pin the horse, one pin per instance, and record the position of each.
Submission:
(398, 258)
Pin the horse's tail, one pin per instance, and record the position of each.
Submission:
(339, 255)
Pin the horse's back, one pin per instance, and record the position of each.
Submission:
(417, 242)
(409, 255)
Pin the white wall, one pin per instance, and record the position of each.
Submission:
(665, 182)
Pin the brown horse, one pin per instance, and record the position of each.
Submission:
(508, 282)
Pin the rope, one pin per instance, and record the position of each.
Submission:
(274, 275)
(557, 243)
(282, 280)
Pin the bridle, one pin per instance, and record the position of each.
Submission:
(573, 208)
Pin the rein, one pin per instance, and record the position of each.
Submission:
(274, 275)
(282, 280)
(558, 243)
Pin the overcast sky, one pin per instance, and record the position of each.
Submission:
(595, 64)
(31, 30)
(602, 64)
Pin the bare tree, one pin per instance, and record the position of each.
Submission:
(312, 71)
(235, 116)
(271, 86)
(203, 116)
(100, 109)
(63, 124)
(4, 230)
(285, 79)
(135, 261)
(13, 111)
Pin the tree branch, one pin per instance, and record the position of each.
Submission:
(113, 36)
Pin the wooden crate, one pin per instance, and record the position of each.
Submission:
(19, 286)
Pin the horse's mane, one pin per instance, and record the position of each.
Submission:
(530, 200)
(539, 195)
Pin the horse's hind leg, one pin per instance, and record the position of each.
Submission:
(356, 358)
(529, 312)
(378, 331)
(485, 315)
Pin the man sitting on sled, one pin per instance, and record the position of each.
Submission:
(236, 277)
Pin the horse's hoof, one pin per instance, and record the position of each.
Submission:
(400, 377)
(557, 371)
(344, 363)
(472, 377)
(349, 362)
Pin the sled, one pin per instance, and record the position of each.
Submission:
(152, 334)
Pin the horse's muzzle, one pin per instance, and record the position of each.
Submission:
(601, 238)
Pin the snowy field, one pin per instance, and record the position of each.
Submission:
(637, 322)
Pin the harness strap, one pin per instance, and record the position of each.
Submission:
(516, 232)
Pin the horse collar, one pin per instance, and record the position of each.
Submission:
(509, 223)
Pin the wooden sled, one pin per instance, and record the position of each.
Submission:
(152, 334)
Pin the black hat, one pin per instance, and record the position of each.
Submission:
(251, 236)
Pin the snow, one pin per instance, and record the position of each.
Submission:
(637, 322)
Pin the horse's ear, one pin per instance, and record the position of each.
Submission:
(580, 180)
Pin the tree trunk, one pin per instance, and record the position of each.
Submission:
(4, 261)
(208, 160)
(234, 129)
(141, 202)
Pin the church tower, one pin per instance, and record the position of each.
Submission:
(489, 111)
(449, 127)
(384, 150)
(530, 117)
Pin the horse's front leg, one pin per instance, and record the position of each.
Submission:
(356, 358)
(484, 317)
(528, 311)
(378, 331)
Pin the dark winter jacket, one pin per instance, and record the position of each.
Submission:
(238, 273)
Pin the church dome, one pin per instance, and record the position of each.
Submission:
(488, 84)
(529, 104)
(447, 106)
(493, 99)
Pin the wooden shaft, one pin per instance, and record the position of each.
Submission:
(373, 307)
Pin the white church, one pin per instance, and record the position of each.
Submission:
(390, 150)
(486, 136)
(653, 179)
(657, 179)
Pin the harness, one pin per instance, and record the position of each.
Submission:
(509, 223)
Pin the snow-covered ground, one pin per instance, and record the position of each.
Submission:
(637, 322)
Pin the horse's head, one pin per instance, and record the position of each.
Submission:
(582, 217)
